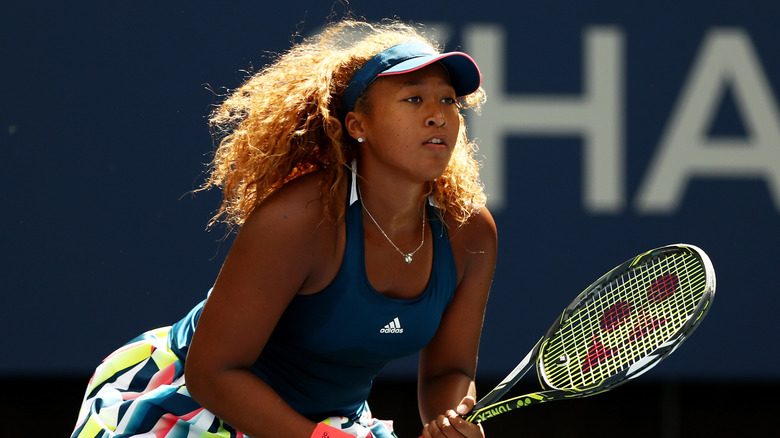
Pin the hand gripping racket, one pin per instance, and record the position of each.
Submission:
(618, 328)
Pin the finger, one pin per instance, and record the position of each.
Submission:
(438, 427)
(463, 427)
(466, 405)
(430, 430)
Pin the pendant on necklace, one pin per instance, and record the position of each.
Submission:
(408, 258)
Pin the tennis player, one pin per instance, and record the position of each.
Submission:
(362, 237)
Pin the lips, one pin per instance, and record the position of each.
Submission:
(437, 141)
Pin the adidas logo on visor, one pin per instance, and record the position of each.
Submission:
(393, 326)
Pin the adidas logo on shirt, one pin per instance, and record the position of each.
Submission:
(393, 326)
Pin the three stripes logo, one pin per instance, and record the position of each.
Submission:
(393, 326)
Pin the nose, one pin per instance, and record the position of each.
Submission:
(436, 117)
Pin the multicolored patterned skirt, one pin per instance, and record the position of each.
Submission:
(139, 391)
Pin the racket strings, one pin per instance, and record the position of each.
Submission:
(624, 321)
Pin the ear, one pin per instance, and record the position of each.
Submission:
(353, 123)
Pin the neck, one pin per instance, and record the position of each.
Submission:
(397, 211)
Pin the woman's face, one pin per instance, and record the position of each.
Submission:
(409, 123)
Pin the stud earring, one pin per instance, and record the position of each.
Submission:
(360, 139)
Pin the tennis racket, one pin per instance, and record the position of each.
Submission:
(618, 328)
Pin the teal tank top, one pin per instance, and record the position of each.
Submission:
(328, 347)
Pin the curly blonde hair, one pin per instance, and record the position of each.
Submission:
(286, 121)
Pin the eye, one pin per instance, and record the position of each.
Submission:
(414, 99)
(449, 100)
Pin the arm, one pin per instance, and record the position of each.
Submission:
(273, 258)
(448, 363)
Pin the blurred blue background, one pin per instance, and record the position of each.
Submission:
(610, 128)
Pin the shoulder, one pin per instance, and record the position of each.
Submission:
(298, 202)
(478, 233)
(290, 223)
(474, 244)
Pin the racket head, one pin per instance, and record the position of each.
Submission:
(627, 321)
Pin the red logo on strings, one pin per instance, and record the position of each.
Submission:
(620, 313)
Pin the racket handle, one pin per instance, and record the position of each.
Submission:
(509, 381)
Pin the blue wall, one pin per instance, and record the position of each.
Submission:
(104, 135)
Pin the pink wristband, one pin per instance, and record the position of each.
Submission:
(324, 431)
